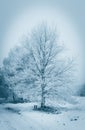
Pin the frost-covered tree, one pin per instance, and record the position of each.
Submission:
(11, 68)
(15, 69)
(39, 67)
(4, 90)
(81, 91)
(48, 70)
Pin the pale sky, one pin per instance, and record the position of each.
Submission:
(18, 17)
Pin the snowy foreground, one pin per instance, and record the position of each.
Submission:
(23, 117)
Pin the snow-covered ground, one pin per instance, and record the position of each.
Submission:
(25, 118)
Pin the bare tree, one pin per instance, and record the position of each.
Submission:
(47, 67)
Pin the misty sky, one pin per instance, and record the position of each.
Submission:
(11, 10)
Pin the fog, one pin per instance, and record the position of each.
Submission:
(18, 18)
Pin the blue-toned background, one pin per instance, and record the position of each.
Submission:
(10, 9)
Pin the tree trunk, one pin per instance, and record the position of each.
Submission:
(13, 97)
(43, 96)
